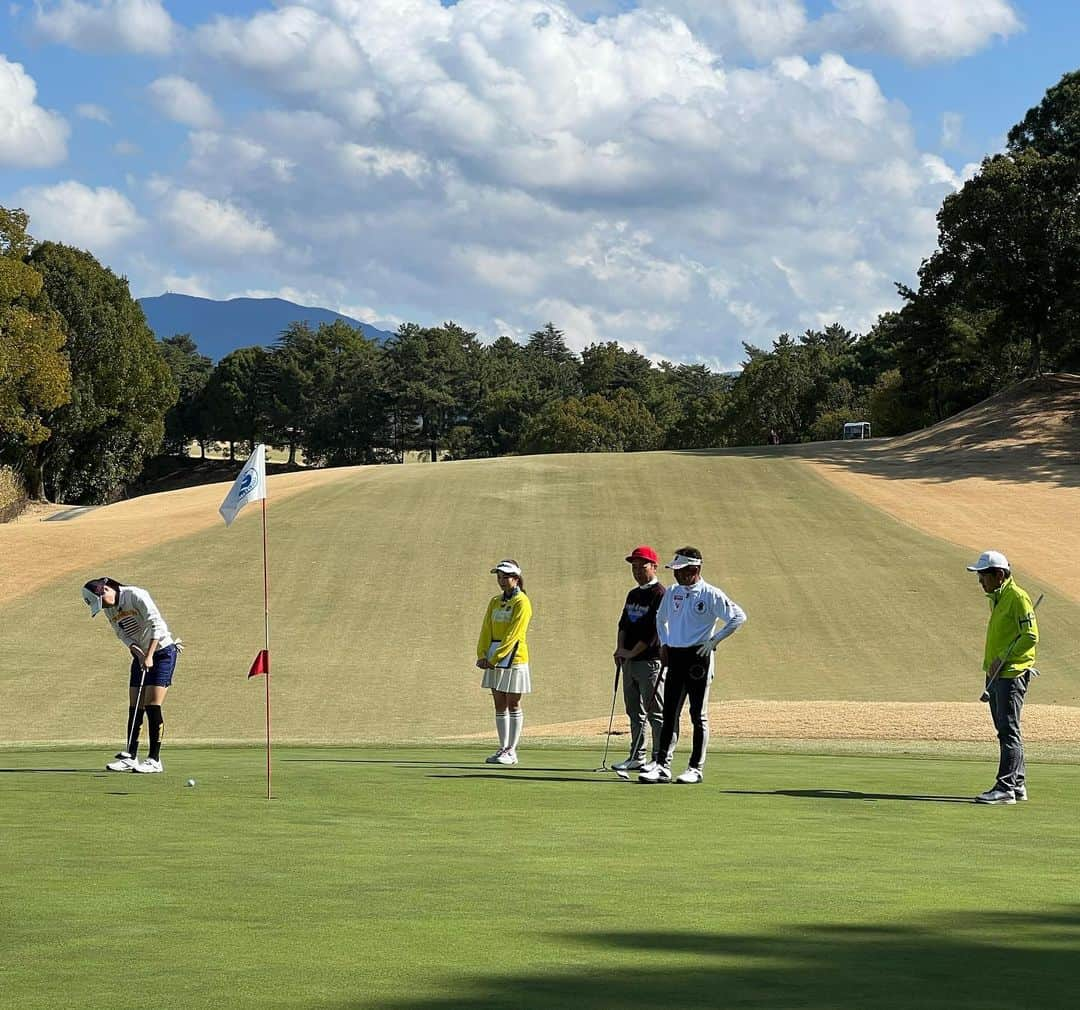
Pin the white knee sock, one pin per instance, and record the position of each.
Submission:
(517, 720)
(502, 727)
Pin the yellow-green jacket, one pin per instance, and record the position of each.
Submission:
(1012, 618)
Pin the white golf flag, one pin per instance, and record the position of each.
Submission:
(249, 486)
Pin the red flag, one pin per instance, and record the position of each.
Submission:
(260, 665)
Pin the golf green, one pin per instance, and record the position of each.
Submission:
(395, 878)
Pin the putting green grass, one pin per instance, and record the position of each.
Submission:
(379, 582)
(400, 878)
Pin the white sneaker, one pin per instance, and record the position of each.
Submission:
(493, 759)
(654, 773)
(1020, 792)
(629, 765)
(124, 763)
(507, 757)
(996, 795)
(149, 767)
(692, 776)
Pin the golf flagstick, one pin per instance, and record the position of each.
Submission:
(611, 719)
(985, 696)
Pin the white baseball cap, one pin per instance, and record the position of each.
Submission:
(990, 559)
(682, 561)
(507, 568)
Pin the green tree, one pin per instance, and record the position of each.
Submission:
(121, 386)
(594, 423)
(35, 377)
(190, 371)
(237, 397)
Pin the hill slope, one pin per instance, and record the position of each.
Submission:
(379, 578)
(220, 327)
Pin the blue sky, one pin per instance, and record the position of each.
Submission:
(678, 175)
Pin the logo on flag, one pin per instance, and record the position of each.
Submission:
(249, 486)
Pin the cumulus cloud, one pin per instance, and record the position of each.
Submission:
(30, 136)
(87, 110)
(214, 228)
(183, 101)
(137, 26)
(504, 162)
(920, 31)
(95, 219)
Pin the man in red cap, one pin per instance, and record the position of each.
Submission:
(638, 651)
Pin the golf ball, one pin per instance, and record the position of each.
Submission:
(191, 782)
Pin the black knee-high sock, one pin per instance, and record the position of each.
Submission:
(156, 722)
(134, 724)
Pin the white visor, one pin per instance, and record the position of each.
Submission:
(93, 601)
(682, 561)
(507, 568)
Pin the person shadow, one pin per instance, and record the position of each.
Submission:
(849, 794)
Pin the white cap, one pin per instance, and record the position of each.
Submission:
(990, 559)
(93, 601)
(682, 561)
(507, 568)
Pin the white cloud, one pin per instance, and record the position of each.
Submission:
(30, 136)
(952, 128)
(95, 219)
(502, 162)
(137, 26)
(920, 31)
(184, 102)
(87, 110)
(179, 284)
(126, 148)
(214, 228)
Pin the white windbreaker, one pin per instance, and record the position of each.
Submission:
(136, 619)
(688, 614)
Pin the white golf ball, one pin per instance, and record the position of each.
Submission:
(191, 782)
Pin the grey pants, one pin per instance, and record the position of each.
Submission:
(1006, 702)
(639, 680)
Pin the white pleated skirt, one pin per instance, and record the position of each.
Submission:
(512, 680)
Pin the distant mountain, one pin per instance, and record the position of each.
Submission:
(220, 327)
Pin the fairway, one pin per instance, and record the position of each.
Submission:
(379, 578)
(417, 878)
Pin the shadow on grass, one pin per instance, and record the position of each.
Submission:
(478, 765)
(49, 771)
(849, 794)
(525, 776)
(962, 961)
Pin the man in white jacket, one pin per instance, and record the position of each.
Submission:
(685, 623)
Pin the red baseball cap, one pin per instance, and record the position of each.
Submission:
(644, 553)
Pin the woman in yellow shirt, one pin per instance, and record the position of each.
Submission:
(502, 654)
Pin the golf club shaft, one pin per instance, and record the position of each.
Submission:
(135, 708)
(611, 718)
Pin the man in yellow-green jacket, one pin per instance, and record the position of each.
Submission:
(1012, 638)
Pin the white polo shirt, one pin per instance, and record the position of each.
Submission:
(688, 614)
(137, 620)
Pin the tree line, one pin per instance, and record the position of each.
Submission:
(88, 395)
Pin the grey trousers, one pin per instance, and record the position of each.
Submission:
(639, 679)
(1006, 703)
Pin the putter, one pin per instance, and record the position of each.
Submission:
(624, 775)
(985, 696)
(135, 714)
(611, 719)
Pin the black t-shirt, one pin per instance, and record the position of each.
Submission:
(638, 620)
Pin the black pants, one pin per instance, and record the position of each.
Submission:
(688, 676)
(1006, 703)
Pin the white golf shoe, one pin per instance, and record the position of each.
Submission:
(1020, 792)
(507, 757)
(149, 767)
(654, 773)
(996, 795)
(629, 765)
(124, 763)
(692, 776)
(493, 759)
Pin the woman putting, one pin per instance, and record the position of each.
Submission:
(504, 657)
(139, 625)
